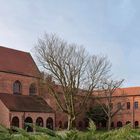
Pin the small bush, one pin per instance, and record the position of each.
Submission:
(92, 127)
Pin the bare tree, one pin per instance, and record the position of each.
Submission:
(108, 98)
(72, 68)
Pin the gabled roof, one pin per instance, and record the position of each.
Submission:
(24, 103)
(18, 62)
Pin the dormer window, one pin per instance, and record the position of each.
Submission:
(17, 87)
(32, 89)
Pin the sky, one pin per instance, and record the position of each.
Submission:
(103, 27)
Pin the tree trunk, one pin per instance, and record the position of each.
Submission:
(70, 122)
(109, 123)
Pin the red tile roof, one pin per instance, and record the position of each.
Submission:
(126, 91)
(24, 103)
(18, 62)
(130, 90)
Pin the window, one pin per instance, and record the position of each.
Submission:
(111, 105)
(27, 127)
(112, 124)
(128, 122)
(65, 125)
(60, 124)
(17, 87)
(32, 89)
(128, 105)
(74, 124)
(86, 122)
(136, 104)
(119, 124)
(49, 123)
(136, 124)
(80, 124)
(119, 105)
(15, 121)
(39, 122)
(103, 123)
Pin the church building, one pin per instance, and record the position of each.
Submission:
(20, 102)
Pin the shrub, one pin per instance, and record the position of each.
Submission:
(124, 133)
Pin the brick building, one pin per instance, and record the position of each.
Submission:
(20, 99)
(128, 114)
(131, 111)
(61, 122)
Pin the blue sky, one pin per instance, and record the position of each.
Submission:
(109, 27)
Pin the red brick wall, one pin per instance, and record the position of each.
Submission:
(7, 80)
(34, 116)
(124, 115)
(4, 115)
(131, 114)
(60, 116)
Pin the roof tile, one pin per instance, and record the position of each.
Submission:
(24, 103)
(19, 62)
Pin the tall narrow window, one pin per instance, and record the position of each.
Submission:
(128, 105)
(119, 105)
(136, 124)
(32, 89)
(111, 105)
(112, 124)
(15, 121)
(17, 87)
(39, 122)
(49, 123)
(60, 124)
(119, 124)
(136, 104)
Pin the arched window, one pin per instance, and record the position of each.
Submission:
(32, 89)
(60, 124)
(86, 121)
(49, 123)
(80, 124)
(17, 87)
(103, 123)
(15, 121)
(119, 124)
(136, 124)
(128, 122)
(112, 124)
(74, 124)
(66, 125)
(39, 122)
(26, 126)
